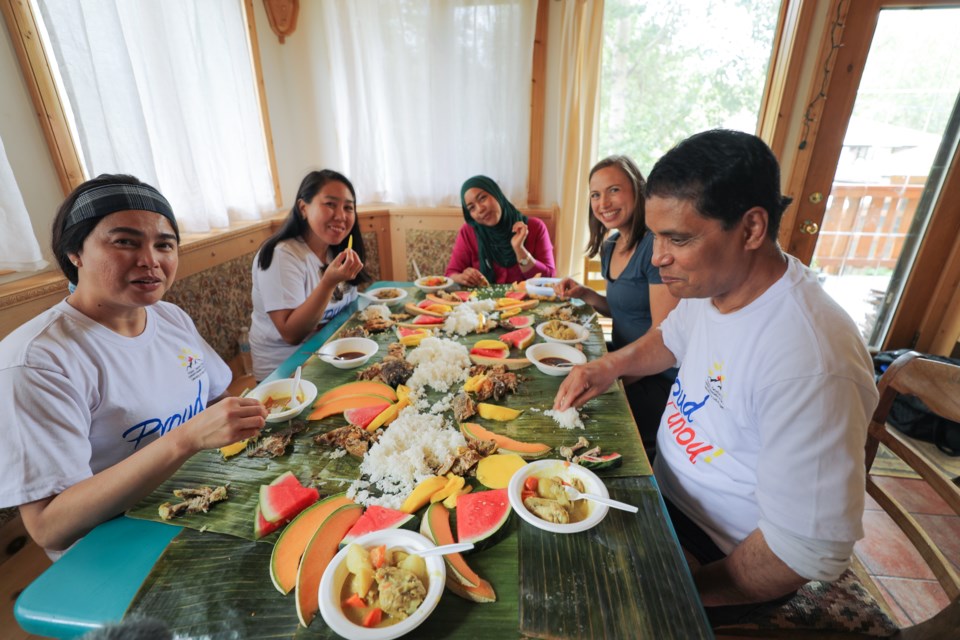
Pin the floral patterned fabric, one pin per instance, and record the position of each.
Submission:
(431, 250)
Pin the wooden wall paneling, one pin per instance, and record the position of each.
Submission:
(538, 92)
(378, 222)
(38, 75)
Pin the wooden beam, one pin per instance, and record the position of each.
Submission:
(538, 96)
(37, 70)
(260, 89)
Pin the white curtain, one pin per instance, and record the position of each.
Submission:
(413, 96)
(19, 250)
(165, 91)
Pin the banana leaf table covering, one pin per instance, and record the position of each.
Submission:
(624, 578)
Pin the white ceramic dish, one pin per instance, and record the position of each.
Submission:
(565, 471)
(331, 583)
(279, 388)
(542, 286)
(582, 332)
(373, 299)
(329, 352)
(536, 353)
(421, 284)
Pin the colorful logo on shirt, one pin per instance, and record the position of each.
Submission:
(160, 426)
(714, 382)
(192, 362)
(680, 417)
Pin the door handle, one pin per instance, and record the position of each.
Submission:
(809, 227)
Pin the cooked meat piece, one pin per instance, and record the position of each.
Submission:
(477, 369)
(196, 500)
(275, 444)
(377, 324)
(401, 592)
(396, 372)
(357, 332)
(396, 350)
(549, 510)
(356, 440)
(463, 406)
(552, 489)
(399, 317)
(484, 447)
(498, 383)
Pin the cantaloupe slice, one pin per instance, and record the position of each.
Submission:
(340, 405)
(360, 387)
(473, 431)
(435, 525)
(317, 555)
(285, 560)
(482, 593)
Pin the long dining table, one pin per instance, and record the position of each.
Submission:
(208, 577)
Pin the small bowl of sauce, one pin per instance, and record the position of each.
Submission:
(553, 358)
(348, 353)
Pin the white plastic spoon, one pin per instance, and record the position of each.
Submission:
(445, 549)
(573, 494)
(416, 269)
(296, 388)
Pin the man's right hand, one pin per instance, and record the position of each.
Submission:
(586, 382)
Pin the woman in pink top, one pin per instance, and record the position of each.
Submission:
(497, 244)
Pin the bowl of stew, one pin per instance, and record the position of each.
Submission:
(403, 587)
(535, 494)
(276, 396)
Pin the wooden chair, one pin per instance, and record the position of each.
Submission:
(593, 278)
(938, 386)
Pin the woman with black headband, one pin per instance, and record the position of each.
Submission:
(95, 381)
(497, 243)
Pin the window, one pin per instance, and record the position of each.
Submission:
(165, 91)
(671, 69)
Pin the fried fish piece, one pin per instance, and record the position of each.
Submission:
(195, 500)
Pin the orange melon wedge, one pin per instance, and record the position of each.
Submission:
(473, 431)
(340, 405)
(318, 554)
(358, 388)
(481, 593)
(285, 559)
(435, 525)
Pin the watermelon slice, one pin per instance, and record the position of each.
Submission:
(279, 503)
(520, 338)
(408, 331)
(424, 319)
(519, 322)
(605, 461)
(463, 295)
(516, 295)
(489, 353)
(262, 527)
(286, 479)
(376, 518)
(363, 416)
(482, 517)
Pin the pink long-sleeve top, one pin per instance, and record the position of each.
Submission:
(467, 254)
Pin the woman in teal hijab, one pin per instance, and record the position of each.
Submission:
(497, 243)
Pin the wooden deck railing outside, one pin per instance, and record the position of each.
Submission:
(865, 226)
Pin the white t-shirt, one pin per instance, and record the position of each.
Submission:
(83, 397)
(293, 275)
(768, 416)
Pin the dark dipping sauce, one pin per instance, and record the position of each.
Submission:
(349, 355)
(554, 361)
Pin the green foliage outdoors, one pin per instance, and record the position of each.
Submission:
(671, 69)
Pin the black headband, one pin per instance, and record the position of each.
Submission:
(102, 201)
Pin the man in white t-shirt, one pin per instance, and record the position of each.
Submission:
(761, 446)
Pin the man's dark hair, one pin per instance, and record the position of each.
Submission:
(724, 173)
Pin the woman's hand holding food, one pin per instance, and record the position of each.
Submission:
(470, 277)
(570, 288)
(346, 266)
(227, 421)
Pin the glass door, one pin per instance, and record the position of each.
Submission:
(861, 226)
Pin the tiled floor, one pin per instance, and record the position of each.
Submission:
(905, 580)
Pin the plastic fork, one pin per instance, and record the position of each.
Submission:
(573, 494)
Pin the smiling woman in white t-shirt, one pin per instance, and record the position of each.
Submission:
(95, 381)
(308, 271)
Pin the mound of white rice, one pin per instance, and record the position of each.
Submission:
(375, 311)
(567, 419)
(467, 317)
(440, 364)
(405, 454)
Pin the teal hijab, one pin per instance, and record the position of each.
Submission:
(493, 243)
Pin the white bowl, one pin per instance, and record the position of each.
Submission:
(420, 283)
(542, 286)
(536, 353)
(279, 388)
(331, 583)
(578, 329)
(370, 295)
(329, 352)
(566, 471)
